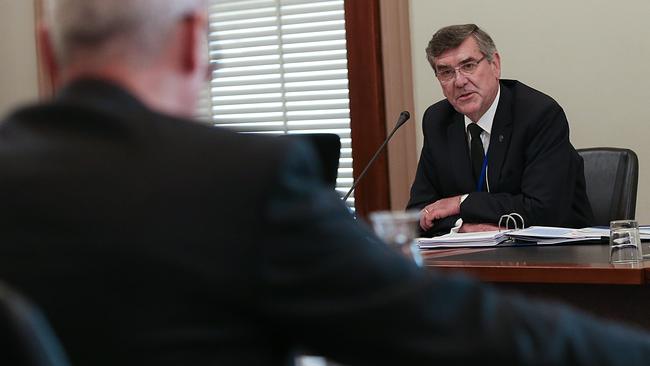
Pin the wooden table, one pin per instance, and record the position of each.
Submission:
(579, 275)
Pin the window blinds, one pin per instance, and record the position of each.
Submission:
(281, 67)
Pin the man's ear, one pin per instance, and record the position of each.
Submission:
(496, 65)
(47, 56)
(193, 28)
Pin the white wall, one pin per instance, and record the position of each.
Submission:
(592, 56)
(18, 71)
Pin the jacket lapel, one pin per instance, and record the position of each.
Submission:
(500, 138)
(459, 155)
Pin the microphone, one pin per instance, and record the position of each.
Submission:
(403, 117)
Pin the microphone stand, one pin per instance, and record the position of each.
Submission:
(403, 117)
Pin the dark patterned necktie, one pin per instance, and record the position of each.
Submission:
(476, 150)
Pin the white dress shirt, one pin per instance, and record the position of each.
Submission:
(485, 122)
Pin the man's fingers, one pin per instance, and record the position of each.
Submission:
(425, 222)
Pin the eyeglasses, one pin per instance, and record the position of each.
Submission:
(446, 74)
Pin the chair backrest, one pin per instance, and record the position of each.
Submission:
(26, 338)
(328, 149)
(611, 176)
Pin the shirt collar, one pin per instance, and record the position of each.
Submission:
(487, 119)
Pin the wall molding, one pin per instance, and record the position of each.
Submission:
(398, 78)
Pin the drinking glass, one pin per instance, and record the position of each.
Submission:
(399, 230)
(624, 242)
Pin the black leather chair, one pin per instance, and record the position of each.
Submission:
(611, 175)
(328, 150)
(26, 338)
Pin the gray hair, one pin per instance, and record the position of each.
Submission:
(452, 36)
(90, 24)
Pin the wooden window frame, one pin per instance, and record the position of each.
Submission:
(379, 54)
(367, 114)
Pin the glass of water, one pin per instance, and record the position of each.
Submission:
(399, 230)
(624, 242)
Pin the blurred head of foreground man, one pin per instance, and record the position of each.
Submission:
(151, 240)
(155, 49)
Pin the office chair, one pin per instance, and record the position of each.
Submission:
(25, 335)
(611, 175)
(328, 150)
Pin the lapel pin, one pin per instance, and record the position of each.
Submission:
(500, 138)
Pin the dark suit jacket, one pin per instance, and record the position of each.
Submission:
(150, 240)
(533, 169)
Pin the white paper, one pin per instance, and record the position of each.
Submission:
(478, 239)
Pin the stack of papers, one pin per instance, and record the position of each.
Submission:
(539, 235)
(644, 232)
(547, 235)
(474, 240)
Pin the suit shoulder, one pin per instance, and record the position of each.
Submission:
(528, 98)
(438, 115)
(201, 132)
(534, 110)
(441, 108)
(268, 152)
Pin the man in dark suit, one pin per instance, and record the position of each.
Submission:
(148, 239)
(521, 160)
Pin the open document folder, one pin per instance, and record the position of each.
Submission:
(539, 235)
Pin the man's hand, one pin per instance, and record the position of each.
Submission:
(439, 210)
(472, 228)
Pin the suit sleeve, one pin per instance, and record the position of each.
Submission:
(423, 190)
(327, 284)
(548, 180)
